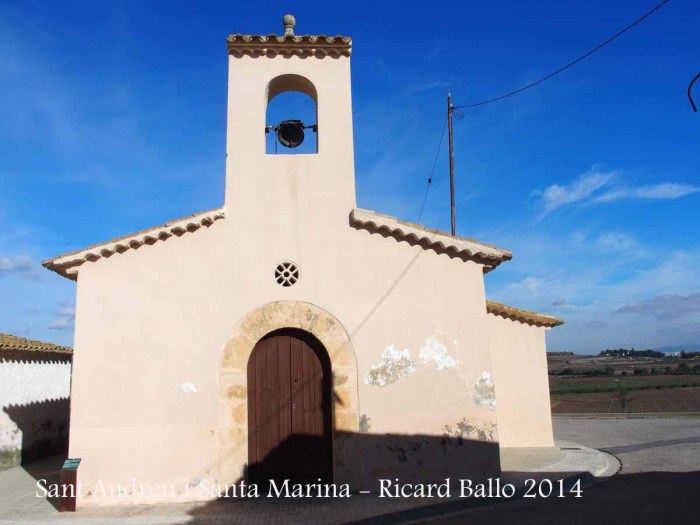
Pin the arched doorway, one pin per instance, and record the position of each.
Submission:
(289, 409)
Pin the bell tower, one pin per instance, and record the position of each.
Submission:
(278, 189)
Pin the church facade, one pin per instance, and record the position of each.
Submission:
(289, 334)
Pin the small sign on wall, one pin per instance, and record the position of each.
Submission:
(69, 482)
(71, 464)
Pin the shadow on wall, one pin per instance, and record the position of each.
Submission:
(44, 428)
(362, 459)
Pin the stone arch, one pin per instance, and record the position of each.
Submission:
(232, 384)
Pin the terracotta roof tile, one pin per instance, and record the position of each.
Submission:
(14, 343)
(442, 242)
(524, 316)
(67, 264)
(289, 45)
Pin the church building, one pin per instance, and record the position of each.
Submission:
(289, 334)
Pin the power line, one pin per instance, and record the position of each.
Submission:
(690, 95)
(432, 172)
(567, 66)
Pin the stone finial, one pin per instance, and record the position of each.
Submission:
(289, 22)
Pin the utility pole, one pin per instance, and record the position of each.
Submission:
(450, 108)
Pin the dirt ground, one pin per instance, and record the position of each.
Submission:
(666, 400)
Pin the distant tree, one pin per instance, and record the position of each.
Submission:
(609, 370)
(622, 395)
(683, 368)
(623, 352)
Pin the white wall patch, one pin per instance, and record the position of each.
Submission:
(485, 392)
(433, 351)
(395, 364)
(188, 388)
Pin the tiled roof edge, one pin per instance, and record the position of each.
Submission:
(292, 45)
(67, 264)
(439, 241)
(9, 342)
(524, 316)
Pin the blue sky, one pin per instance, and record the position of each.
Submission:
(112, 119)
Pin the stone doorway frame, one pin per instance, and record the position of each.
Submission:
(233, 389)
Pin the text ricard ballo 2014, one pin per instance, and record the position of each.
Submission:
(385, 488)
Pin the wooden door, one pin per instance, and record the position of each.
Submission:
(289, 409)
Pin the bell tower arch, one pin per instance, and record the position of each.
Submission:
(297, 135)
(303, 189)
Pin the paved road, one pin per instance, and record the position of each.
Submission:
(659, 482)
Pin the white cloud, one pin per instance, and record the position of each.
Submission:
(616, 241)
(598, 186)
(666, 190)
(578, 238)
(665, 306)
(62, 323)
(529, 284)
(64, 319)
(21, 264)
(556, 196)
(67, 312)
(584, 283)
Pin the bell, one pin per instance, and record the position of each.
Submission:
(290, 133)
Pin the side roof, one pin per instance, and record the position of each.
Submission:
(12, 343)
(441, 242)
(67, 264)
(524, 316)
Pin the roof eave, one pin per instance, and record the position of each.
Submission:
(13, 343)
(67, 264)
(487, 255)
(292, 45)
(523, 316)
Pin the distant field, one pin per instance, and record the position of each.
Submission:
(639, 401)
(587, 363)
(590, 385)
(593, 384)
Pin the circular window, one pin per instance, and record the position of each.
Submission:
(286, 273)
